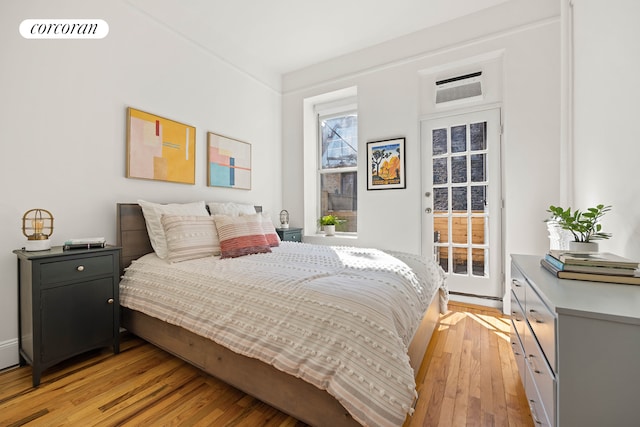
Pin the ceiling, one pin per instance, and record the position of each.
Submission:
(272, 38)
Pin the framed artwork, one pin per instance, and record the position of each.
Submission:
(160, 149)
(229, 162)
(386, 164)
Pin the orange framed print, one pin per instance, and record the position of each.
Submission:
(385, 164)
(229, 162)
(160, 149)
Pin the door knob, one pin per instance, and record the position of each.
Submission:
(427, 194)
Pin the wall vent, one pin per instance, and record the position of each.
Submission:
(467, 87)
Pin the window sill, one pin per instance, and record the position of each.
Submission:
(321, 239)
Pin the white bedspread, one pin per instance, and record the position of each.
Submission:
(340, 318)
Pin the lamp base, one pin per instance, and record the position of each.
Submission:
(37, 245)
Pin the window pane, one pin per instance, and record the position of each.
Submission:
(459, 230)
(479, 260)
(478, 167)
(440, 200)
(440, 171)
(478, 136)
(459, 198)
(339, 141)
(339, 197)
(478, 198)
(459, 169)
(439, 141)
(458, 139)
(460, 260)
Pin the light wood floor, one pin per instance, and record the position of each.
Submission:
(468, 378)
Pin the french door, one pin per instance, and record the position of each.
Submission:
(462, 200)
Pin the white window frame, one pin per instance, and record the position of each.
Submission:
(337, 102)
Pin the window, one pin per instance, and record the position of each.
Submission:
(338, 167)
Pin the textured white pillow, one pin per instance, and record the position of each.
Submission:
(153, 213)
(190, 237)
(231, 209)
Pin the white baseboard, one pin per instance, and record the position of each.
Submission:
(9, 353)
(476, 300)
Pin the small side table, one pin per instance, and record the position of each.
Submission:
(290, 234)
(68, 303)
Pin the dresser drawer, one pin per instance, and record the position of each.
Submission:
(76, 269)
(543, 324)
(541, 374)
(518, 284)
(518, 317)
(538, 409)
(518, 351)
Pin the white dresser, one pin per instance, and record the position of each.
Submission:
(577, 345)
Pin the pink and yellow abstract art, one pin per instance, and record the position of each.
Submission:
(160, 149)
(229, 162)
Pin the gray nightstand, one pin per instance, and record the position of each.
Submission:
(68, 303)
(290, 234)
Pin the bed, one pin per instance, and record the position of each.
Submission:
(291, 389)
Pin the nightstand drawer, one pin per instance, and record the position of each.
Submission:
(290, 234)
(76, 269)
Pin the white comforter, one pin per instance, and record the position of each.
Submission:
(340, 318)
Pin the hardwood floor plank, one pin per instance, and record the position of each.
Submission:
(468, 377)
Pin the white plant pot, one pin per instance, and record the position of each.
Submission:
(329, 230)
(583, 246)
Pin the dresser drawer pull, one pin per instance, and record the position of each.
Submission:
(534, 414)
(80, 268)
(110, 301)
(537, 320)
(533, 364)
(516, 283)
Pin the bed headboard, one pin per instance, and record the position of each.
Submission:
(131, 233)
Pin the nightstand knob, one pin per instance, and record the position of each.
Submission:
(80, 268)
(110, 301)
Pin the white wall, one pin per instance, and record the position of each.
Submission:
(62, 126)
(388, 85)
(607, 108)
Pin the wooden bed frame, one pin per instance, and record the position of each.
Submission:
(276, 388)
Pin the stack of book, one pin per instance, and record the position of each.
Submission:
(595, 267)
(85, 243)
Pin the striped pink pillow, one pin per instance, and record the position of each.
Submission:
(241, 235)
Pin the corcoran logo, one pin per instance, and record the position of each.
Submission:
(64, 29)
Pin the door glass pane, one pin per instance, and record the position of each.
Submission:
(441, 229)
(478, 198)
(440, 200)
(460, 260)
(480, 262)
(459, 230)
(479, 231)
(440, 171)
(478, 167)
(459, 139)
(459, 169)
(459, 198)
(439, 141)
(478, 133)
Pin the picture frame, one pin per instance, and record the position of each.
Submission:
(386, 164)
(228, 162)
(160, 149)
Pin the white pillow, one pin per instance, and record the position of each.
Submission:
(153, 213)
(190, 237)
(231, 209)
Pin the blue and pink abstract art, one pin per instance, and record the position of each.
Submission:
(229, 162)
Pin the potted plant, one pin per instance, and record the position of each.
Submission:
(584, 225)
(328, 223)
